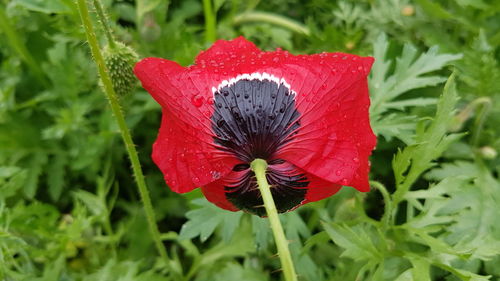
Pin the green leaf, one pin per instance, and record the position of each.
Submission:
(397, 125)
(454, 169)
(233, 271)
(434, 9)
(410, 72)
(56, 172)
(431, 141)
(356, 241)
(35, 168)
(261, 231)
(47, 7)
(203, 221)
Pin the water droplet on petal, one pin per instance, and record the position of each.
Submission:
(197, 100)
(338, 172)
(344, 182)
(276, 59)
(355, 159)
(215, 175)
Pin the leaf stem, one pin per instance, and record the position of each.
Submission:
(259, 167)
(210, 21)
(104, 23)
(387, 201)
(125, 133)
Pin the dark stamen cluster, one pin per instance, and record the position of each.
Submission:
(253, 119)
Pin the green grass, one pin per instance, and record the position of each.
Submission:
(69, 206)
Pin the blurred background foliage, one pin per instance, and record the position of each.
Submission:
(68, 203)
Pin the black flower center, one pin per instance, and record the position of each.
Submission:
(252, 119)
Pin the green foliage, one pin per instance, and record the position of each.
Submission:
(203, 221)
(388, 82)
(69, 208)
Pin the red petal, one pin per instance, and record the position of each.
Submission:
(335, 139)
(214, 192)
(319, 189)
(184, 149)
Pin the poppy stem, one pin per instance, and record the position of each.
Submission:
(125, 132)
(259, 167)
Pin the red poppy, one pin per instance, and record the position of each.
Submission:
(306, 115)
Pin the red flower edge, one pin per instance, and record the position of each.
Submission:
(307, 115)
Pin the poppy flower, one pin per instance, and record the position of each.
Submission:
(306, 115)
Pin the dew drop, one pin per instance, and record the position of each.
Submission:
(344, 182)
(276, 59)
(338, 172)
(210, 100)
(215, 175)
(355, 159)
(197, 100)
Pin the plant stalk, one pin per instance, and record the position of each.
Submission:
(259, 167)
(104, 23)
(125, 132)
(271, 18)
(210, 21)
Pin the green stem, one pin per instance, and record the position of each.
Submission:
(210, 22)
(104, 23)
(125, 133)
(259, 167)
(272, 19)
(486, 104)
(387, 201)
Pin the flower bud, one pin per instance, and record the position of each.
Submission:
(120, 60)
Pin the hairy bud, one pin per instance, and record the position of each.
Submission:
(120, 60)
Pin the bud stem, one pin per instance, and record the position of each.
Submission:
(104, 23)
(259, 167)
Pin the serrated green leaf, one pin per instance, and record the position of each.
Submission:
(261, 231)
(431, 141)
(35, 169)
(398, 125)
(203, 221)
(56, 172)
(454, 169)
(387, 86)
(355, 241)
